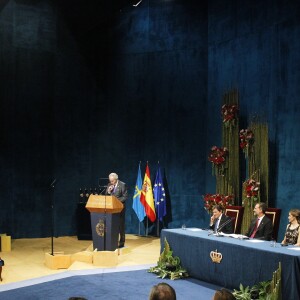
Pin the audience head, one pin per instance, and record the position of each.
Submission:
(77, 298)
(294, 214)
(223, 294)
(260, 209)
(217, 211)
(162, 291)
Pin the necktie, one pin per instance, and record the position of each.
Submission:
(254, 229)
(217, 224)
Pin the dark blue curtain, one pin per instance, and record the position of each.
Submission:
(87, 89)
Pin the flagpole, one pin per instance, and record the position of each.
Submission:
(147, 228)
(139, 228)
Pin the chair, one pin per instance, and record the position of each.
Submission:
(274, 215)
(236, 213)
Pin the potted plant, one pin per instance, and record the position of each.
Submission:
(168, 266)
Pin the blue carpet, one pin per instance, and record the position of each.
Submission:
(130, 285)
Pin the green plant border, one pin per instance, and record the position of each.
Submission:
(168, 266)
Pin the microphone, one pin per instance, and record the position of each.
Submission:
(53, 183)
(103, 190)
(224, 224)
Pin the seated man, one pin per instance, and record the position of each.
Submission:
(261, 227)
(219, 222)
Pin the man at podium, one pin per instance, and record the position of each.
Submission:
(118, 189)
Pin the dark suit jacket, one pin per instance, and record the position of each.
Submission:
(264, 231)
(121, 192)
(227, 228)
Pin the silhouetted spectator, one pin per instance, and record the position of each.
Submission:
(1, 265)
(223, 294)
(162, 291)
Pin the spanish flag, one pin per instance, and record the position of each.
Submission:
(147, 196)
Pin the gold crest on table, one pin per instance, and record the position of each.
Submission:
(100, 227)
(216, 256)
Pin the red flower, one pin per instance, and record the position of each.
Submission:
(217, 155)
(246, 138)
(210, 200)
(229, 112)
(252, 189)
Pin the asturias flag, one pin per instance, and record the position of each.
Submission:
(159, 196)
(147, 196)
(137, 205)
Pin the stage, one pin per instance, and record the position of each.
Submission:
(26, 276)
(27, 258)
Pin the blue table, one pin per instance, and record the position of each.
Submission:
(243, 262)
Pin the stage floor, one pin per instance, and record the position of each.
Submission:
(27, 258)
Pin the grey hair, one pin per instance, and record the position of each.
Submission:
(114, 175)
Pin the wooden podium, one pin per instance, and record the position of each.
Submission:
(105, 221)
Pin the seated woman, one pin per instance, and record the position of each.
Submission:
(292, 233)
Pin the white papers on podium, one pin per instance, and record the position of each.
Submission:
(234, 235)
(255, 241)
(194, 229)
(296, 249)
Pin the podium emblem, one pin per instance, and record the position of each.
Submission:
(216, 256)
(100, 227)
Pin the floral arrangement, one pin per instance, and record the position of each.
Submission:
(217, 157)
(210, 200)
(251, 190)
(246, 140)
(168, 266)
(229, 114)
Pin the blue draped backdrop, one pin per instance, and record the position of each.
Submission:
(90, 89)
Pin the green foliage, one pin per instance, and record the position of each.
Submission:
(243, 293)
(168, 266)
(261, 289)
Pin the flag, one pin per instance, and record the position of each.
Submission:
(159, 196)
(137, 205)
(147, 196)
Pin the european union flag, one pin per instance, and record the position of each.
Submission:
(137, 205)
(159, 196)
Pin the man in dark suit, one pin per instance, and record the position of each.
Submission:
(119, 190)
(219, 222)
(261, 227)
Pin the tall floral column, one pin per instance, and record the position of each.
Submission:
(255, 145)
(259, 157)
(230, 183)
(251, 196)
